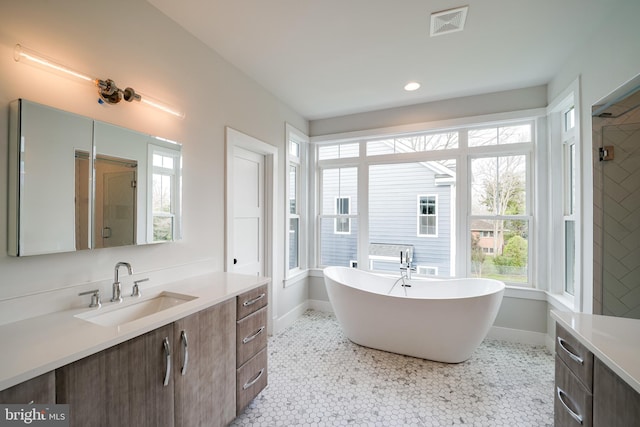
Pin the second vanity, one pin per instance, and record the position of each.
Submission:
(198, 361)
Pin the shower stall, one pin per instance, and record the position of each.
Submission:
(616, 139)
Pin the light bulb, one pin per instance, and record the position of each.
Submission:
(22, 53)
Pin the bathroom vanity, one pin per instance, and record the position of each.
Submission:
(197, 363)
(597, 373)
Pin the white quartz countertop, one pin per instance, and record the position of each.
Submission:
(40, 344)
(613, 340)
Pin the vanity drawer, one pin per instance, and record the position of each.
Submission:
(575, 355)
(573, 403)
(251, 301)
(251, 379)
(251, 336)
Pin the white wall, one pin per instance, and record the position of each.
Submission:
(132, 43)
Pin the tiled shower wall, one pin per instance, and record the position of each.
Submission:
(616, 199)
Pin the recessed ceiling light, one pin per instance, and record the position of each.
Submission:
(411, 86)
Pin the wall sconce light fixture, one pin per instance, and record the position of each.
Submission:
(108, 91)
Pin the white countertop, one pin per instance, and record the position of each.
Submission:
(613, 340)
(40, 344)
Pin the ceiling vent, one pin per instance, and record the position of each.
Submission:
(448, 21)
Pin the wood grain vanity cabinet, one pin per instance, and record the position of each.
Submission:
(251, 346)
(204, 375)
(125, 385)
(40, 389)
(181, 374)
(587, 392)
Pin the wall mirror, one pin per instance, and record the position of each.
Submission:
(76, 183)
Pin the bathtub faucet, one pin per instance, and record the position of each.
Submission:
(406, 265)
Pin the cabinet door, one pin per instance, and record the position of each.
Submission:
(615, 403)
(40, 389)
(123, 385)
(205, 367)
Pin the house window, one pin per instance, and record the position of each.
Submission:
(338, 219)
(569, 197)
(427, 216)
(423, 270)
(410, 187)
(296, 201)
(342, 224)
(165, 168)
(499, 209)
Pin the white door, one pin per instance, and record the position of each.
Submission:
(248, 212)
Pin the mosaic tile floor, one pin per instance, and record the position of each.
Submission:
(317, 377)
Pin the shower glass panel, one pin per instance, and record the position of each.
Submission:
(621, 221)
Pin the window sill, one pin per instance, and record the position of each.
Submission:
(562, 302)
(295, 278)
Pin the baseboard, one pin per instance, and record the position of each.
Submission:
(283, 322)
(320, 305)
(517, 335)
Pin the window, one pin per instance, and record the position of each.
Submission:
(427, 216)
(296, 200)
(569, 198)
(499, 190)
(165, 177)
(338, 219)
(342, 223)
(413, 196)
(423, 270)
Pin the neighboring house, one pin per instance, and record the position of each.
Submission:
(410, 206)
(488, 239)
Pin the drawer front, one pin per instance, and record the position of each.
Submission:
(573, 404)
(251, 379)
(575, 355)
(251, 301)
(251, 336)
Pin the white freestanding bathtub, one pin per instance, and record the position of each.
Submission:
(442, 320)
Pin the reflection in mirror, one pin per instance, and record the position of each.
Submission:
(83, 166)
(76, 183)
(115, 202)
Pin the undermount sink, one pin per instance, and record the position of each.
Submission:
(114, 315)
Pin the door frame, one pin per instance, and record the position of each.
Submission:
(235, 138)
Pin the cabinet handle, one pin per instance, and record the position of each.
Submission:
(167, 354)
(571, 354)
(185, 352)
(561, 395)
(252, 337)
(253, 301)
(253, 381)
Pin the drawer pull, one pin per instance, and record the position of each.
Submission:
(252, 337)
(253, 381)
(167, 354)
(253, 301)
(565, 346)
(185, 352)
(561, 396)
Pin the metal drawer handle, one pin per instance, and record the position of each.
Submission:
(253, 301)
(253, 381)
(252, 337)
(167, 353)
(571, 354)
(185, 352)
(561, 395)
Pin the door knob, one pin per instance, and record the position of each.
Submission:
(235, 261)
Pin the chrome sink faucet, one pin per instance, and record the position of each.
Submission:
(406, 265)
(117, 289)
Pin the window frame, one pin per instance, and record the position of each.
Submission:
(157, 148)
(300, 162)
(461, 259)
(420, 215)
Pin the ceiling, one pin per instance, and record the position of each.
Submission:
(327, 58)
